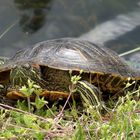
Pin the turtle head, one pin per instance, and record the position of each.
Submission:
(20, 74)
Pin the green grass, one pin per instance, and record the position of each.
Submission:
(122, 122)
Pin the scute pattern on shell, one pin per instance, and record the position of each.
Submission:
(72, 54)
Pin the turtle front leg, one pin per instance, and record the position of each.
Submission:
(49, 95)
(90, 94)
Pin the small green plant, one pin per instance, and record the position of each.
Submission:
(33, 89)
(39, 102)
(75, 79)
(79, 133)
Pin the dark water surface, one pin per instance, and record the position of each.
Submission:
(114, 23)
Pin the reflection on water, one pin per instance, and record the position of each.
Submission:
(114, 28)
(32, 14)
(48, 19)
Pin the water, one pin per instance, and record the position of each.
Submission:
(114, 28)
(113, 23)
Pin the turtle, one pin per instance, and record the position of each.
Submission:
(52, 63)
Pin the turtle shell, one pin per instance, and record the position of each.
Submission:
(72, 54)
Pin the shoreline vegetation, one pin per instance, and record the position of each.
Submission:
(40, 120)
